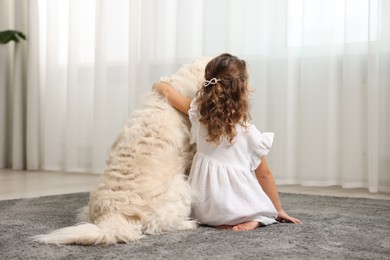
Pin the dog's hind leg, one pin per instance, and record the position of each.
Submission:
(123, 230)
(174, 225)
(186, 225)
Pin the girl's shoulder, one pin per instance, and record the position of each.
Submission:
(255, 135)
(250, 128)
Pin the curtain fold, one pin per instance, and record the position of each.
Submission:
(33, 93)
(320, 71)
(13, 87)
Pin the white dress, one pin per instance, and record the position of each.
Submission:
(222, 176)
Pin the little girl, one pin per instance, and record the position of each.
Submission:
(234, 186)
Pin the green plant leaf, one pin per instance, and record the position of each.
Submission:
(21, 35)
(11, 35)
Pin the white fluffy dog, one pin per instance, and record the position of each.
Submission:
(143, 189)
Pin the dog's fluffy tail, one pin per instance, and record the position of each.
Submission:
(111, 231)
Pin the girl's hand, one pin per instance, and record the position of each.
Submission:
(161, 87)
(177, 100)
(284, 217)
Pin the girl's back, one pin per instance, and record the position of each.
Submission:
(245, 151)
(222, 176)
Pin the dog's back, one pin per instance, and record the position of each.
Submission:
(143, 189)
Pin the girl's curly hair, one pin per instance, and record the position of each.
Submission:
(224, 103)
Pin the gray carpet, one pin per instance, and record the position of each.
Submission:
(334, 228)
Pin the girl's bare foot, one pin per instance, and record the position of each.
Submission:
(250, 225)
(224, 227)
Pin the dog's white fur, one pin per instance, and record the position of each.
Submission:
(143, 189)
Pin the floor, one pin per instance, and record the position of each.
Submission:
(30, 184)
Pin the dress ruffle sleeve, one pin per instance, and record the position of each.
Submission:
(193, 115)
(193, 111)
(263, 146)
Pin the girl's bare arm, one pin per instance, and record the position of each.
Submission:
(177, 100)
(267, 182)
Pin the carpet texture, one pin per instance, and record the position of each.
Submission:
(334, 228)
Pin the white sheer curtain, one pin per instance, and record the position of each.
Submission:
(320, 70)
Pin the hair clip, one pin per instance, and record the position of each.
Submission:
(211, 81)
